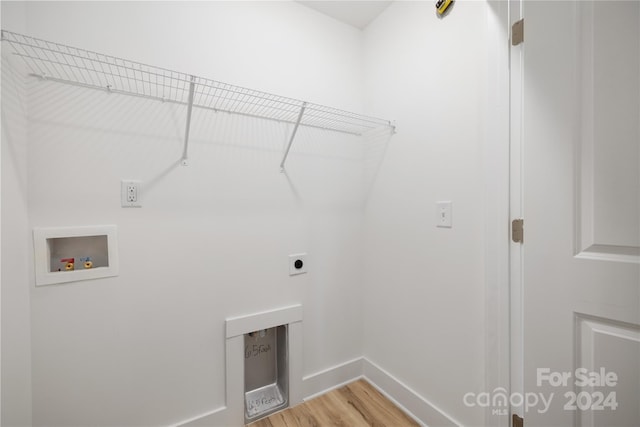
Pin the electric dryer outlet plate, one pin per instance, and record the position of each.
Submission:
(297, 264)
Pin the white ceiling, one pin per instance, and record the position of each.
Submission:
(356, 13)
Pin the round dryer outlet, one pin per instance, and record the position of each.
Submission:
(297, 264)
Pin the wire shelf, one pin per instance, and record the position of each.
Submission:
(58, 62)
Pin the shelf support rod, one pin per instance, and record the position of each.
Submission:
(293, 135)
(185, 152)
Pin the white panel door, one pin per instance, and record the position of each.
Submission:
(580, 136)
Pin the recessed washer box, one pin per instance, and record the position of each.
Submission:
(266, 372)
(71, 254)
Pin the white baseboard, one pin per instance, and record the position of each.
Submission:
(217, 417)
(416, 406)
(313, 385)
(331, 378)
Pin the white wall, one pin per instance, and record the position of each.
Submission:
(16, 337)
(424, 295)
(212, 239)
(273, 46)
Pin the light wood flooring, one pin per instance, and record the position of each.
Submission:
(357, 404)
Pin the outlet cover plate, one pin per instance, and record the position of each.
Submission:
(297, 264)
(130, 193)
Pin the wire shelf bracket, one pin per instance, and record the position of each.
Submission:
(66, 64)
(293, 135)
(185, 151)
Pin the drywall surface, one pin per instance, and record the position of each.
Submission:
(212, 239)
(16, 336)
(424, 294)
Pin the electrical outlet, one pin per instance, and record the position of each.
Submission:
(130, 193)
(297, 264)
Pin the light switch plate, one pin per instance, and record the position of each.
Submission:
(444, 214)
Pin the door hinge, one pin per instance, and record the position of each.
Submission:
(517, 33)
(517, 421)
(517, 230)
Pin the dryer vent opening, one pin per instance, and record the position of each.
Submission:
(266, 372)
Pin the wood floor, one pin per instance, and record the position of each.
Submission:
(357, 404)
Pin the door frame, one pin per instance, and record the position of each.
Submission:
(498, 196)
(516, 211)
